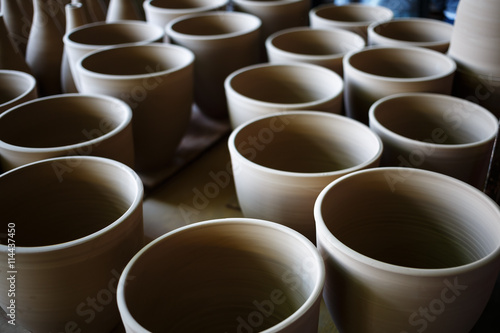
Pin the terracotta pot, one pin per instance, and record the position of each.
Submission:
(353, 17)
(281, 162)
(222, 43)
(324, 47)
(76, 222)
(380, 71)
(15, 88)
(160, 12)
(156, 80)
(415, 31)
(407, 250)
(93, 36)
(237, 274)
(78, 125)
(436, 132)
(263, 89)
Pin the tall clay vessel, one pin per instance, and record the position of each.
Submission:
(122, 10)
(45, 46)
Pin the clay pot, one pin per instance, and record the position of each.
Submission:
(15, 88)
(156, 81)
(76, 222)
(267, 88)
(324, 47)
(415, 31)
(77, 124)
(160, 12)
(276, 15)
(380, 71)
(353, 17)
(222, 43)
(93, 36)
(407, 250)
(234, 275)
(282, 161)
(436, 132)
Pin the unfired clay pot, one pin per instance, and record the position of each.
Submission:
(222, 42)
(76, 222)
(353, 17)
(436, 132)
(225, 275)
(282, 161)
(160, 12)
(324, 47)
(262, 89)
(412, 31)
(407, 250)
(65, 125)
(16, 87)
(380, 71)
(156, 81)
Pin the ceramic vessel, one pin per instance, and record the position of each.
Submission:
(415, 31)
(380, 71)
(119, 10)
(93, 36)
(474, 41)
(75, 17)
(282, 161)
(407, 250)
(160, 12)
(324, 47)
(436, 132)
(276, 15)
(234, 275)
(65, 125)
(262, 89)
(11, 57)
(15, 88)
(44, 49)
(17, 22)
(76, 222)
(353, 17)
(222, 42)
(156, 80)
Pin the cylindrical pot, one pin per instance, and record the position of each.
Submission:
(65, 125)
(407, 250)
(380, 71)
(225, 275)
(262, 89)
(353, 17)
(222, 42)
(156, 81)
(160, 12)
(282, 161)
(415, 31)
(15, 88)
(323, 47)
(436, 132)
(73, 223)
(93, 36)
